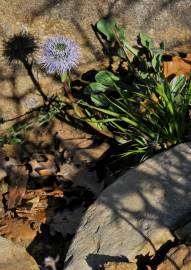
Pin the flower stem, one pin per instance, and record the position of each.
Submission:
(36, 83)
(66, 85)
(68, 92)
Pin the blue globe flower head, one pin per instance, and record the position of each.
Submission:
(59, 55)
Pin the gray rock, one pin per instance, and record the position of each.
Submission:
(15, 257)
(137, 214)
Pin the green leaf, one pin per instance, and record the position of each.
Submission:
(121, 53)
(11, 130)
(121, 36)
(15, 140)
(88, 113)
(109, 28)
(121, 32)
(143, 75)
(98, 125)
(95, 87)
(130, 48)
(99, 100)
(106, 78)
(121, 140)
(156, 62)
(106, 26)
(146, 41)
(177, 84)
(2, 140)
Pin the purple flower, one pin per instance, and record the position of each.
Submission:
(60, 54)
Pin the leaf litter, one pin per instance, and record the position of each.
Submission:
(43, 194)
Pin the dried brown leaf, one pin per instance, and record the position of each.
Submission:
(18, 176)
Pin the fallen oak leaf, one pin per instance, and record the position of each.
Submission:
(177, 66)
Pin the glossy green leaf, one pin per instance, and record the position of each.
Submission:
(121, 53)
(106, 77)
(156, 62)
(98, 125)
(95, 87)
(146, 41)
(177, 84)
(106, 26)
(130, 48)
(121, 33)
(99, 100)
(15, 140)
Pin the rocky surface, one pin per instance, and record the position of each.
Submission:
(177, 258)
(120, 266)
(162, 19)
(15, 257)
(137, 214)
(165, 20)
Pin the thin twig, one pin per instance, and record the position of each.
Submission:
(20, 116)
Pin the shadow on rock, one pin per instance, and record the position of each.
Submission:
(96, 261)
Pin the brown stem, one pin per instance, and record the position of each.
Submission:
(68, 92)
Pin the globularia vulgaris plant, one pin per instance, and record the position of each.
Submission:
(145, 111)
(59, 56)
(137, 106)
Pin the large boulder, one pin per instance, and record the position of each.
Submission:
(15, 257)
(137, 214)
(165, 20)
